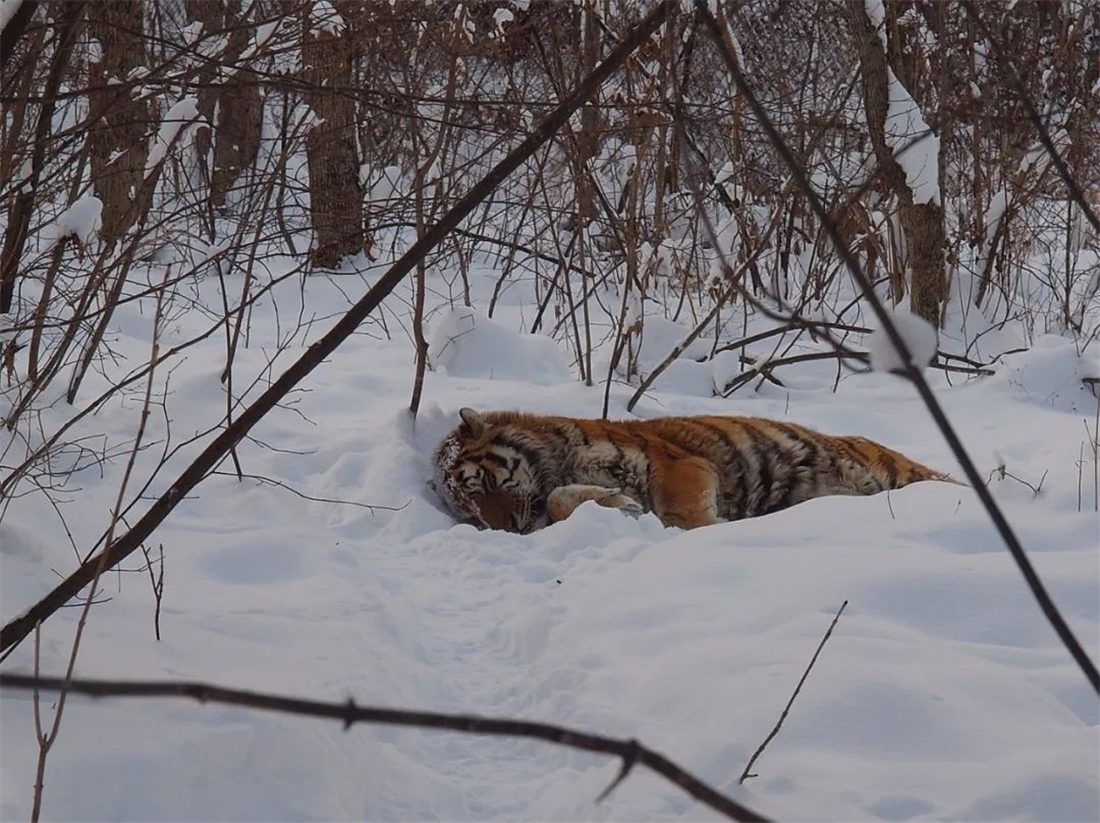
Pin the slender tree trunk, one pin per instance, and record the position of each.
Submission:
(22, 206)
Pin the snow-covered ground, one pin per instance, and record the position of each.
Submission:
(941, 694)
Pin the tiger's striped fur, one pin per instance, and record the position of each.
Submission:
(519, 472)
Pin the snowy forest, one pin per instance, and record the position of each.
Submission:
(258, 254)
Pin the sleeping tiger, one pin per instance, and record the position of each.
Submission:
(520, 472)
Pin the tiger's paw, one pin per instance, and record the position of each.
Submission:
(564, 500)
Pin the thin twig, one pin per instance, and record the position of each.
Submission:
(745, 775)
(348, 713)
(157, 582)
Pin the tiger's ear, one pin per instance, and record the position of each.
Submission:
(473, 424)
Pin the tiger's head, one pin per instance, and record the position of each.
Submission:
(489, 476)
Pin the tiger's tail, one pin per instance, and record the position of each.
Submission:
(893, 469)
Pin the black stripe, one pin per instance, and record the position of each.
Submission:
(534, 460)
(584, 437)
(890, 466)
(768, 460)
(618, 468)
(810, 460)
(736, 468)
(564, 443)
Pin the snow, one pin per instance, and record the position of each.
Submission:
(919, 335)
(466, 343)
(501, 16)
(942, 693)
(323, 16)
(82, 219)
(877, 15)
(261, 36)
(998, 205)
(916, 147)
(181, 113)
(8, 8)
(192, 31)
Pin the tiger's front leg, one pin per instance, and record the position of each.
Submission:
(564, 500)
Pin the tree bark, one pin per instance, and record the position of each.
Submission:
(234, 109)
(22, 205)
(335, 200)
(119, 147)
(921, 223)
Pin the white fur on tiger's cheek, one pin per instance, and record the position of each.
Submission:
(446, 485)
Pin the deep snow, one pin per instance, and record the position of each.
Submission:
(941, 694)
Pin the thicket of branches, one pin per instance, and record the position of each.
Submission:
(149, 147)
(153, 154)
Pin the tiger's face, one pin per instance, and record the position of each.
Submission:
(487, 481)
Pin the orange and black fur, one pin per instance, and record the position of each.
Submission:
(519, 472)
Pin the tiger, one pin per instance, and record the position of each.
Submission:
(519, 472)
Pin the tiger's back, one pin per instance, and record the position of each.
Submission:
(518, 471)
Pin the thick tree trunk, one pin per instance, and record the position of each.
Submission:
(234, 109)
(924, 242)
(921, 222)
(335, 201)
(119, 146)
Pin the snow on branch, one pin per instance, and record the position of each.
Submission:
(83, 220)
(915, 146)
(179, 115)
(323, 17)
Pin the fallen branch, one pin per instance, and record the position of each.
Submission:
(766, 368)
(745, 775)
(631, 751)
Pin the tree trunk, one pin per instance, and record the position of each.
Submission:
(335, 201)
(22, 204)
(119, 147)
(234, 109)
(921, 223)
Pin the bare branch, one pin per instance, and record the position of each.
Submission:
(745, 775)
(631, 751)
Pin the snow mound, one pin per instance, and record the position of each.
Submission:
(660, 336)
(919, 336)
(1051, 373)
(466, 343)
(82, 219)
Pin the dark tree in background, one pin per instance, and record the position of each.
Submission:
(335, 201)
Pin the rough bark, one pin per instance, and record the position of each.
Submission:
(119, 146)
(335, 202)
(235, 109)
(921, 223)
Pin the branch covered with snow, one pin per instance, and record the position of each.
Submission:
(182, 113)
